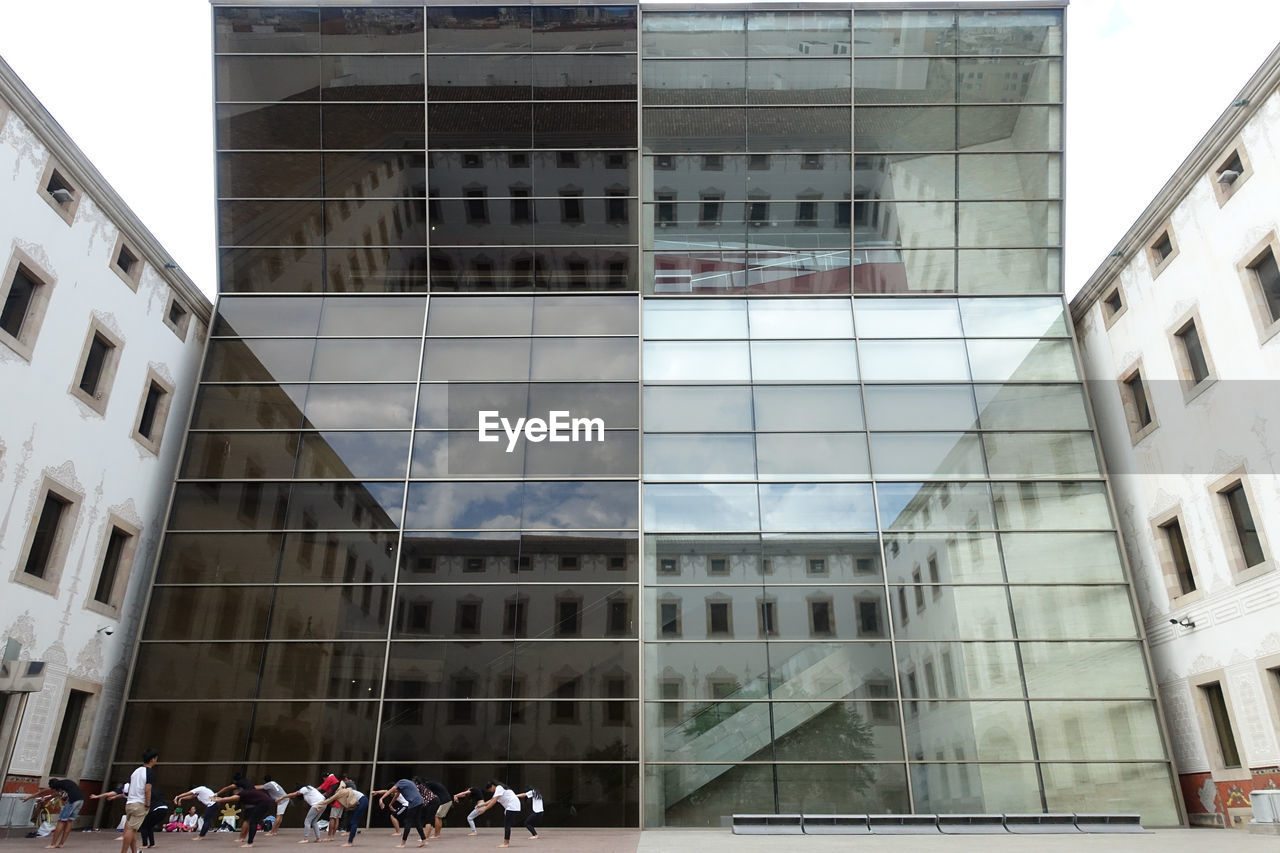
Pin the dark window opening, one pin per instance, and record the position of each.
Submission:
(111, 561)
(46, 535)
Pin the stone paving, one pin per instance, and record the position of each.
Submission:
(554, 840)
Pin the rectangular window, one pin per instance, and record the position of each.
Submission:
(568, 618)
(768, 619)
(467, 618)
(1246, 530)
(112, 558)
(881, 711)
(571, 207)
(712, 162)
(811, 161)
(619, 618)
(806, 213)
(869, 619)
(668, 566)
(518, 159)
(177, 316)
(719, 618)
(18, 302)
(68, 732)
(1112, 305)
(566, 710)
(1267, 276)
(95, 361)
(669, 618)
(1136, 404)
(462, 709)
(514, 621)
(903, 616)
(1217, 703)
(1189, 338)
(664, 213)
(1181, 561)
(817, 566)
(521, 206)
(717, 565)
(616, 711)
(476, 207)
(616, 212)
(40, 556)
(147, 423)
(756, 162)
(709, 209)
(820, 618)
(153, 412)
(128, 264)
(670, 708)
(567, 159)
(758, 212)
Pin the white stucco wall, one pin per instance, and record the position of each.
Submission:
(47, 432)
(1233, 423)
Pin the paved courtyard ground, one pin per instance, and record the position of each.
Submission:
(701, 841)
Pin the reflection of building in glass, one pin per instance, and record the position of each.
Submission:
(846, 530)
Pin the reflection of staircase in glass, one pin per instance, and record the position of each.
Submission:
(734, 728)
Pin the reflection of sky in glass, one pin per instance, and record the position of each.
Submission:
(817, 506)
(678, 506)
(560, 506)
(907, 318)
(911, 361)
(344, 406)
(934, 506)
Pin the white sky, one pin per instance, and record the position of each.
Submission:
(130, 80)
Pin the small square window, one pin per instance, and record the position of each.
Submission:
(617, 564)
(617, 208)
(1162, 250)
(1231, 173)
(25, 295)
(757, 162)
(619, 617)
(518, 159)
(615, 160)
(1112, 306)
(668, 566)
(816, 566)
(472, 161)
(717, 565)
(61, 194)
(1137, 404)
(664, 161)
(177, 317)
(811, 161)
(567, 159)
(568, 618)
(127, 263)
(712, 162)
(569, 563)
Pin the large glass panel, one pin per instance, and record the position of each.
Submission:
(706, 794)
(497, 78)
(267, 78)
(927, 454)
(945, 557)
(457, 405)
(803, 360)
(584, 358)
(333, 557)
(476, 359)
(210, 613)
(585, 315)
(812, 456)
(353, 455)
(564, 28)
(998, 31)
(368, 359)
(797, 33)
(1063, 612)
(268, 126)
(218, 558)
(981, 731)
(1083, 670)
(1021, 317)
(987, 788)
(699, 457)
(431, 669)
(1097, 731)
(480, 125)
(934, 506)
(254, 270)
(679, 507)
(1022, 361)
(444, 506)
(696, 361)
(345, 506)
(258, 174)
(430, 610)
(481, 29)
(816, 506)
(674, 130)
(386, 316)
(905, 176)
(919, 407)
(488, 558)
(1009, 271)
(270, 223)
(508, 315)
(1051, 506)
(1009, 224)
(1137, 788)
(963, 671)
(1032, 406)
(1041, 454)
(907, 224)
(700, 408)
(228, 506)
(807, 407)
(909, 33)
(1009, 128)
(1009, 80)
(580, 506)
(694, 34)
(1010, 176)
(797, 81)
(914, 361)
(237, 455)
(773, 128)
(372, 127)
(907, 318)
(800, 318)
(605, 125)
(365, 406)
(905, 129)
(672, 318)
(950, 612)
(266, 30)
(904, 81)
(1062, 557)
(869, 787)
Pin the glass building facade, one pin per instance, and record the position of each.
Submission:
(672, 410)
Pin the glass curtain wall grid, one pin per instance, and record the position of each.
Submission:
(831, 516)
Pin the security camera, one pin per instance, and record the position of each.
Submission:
(106, 630)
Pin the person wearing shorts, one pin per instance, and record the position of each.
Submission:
(277, 793)
(68, 793)
(436, 809)
(137, 803)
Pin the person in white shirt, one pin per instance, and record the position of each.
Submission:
(534, 796)
(273, 788)
(205, 797)
(313, 798)
(137, 800)
(500, 795)
(191, 820)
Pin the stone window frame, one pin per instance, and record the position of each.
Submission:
(1111, 315)
(720, 600)
(767, 628)
(1269, 673)
(1266, 327)
(1209, 732)
(106, 381)
(1137, 432)
(1168, 568)
(25, 343)
(1223, 192)
(111, 608)
(133, 275)
(66, 211)
(1227, 526)
(62, 540)
(84, 735)
(580, 615)
(1159, 264)
(1190, 387)
(161, 420)
(4, 113)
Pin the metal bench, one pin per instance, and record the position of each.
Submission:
(1109, 823)
(903, 824)
(836, 824)
(971, 824)
(1040, 824)
(767, 824)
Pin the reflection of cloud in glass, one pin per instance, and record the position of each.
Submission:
(817, 506)
(580, 505)
(679, 507)
(440, 506)
(344, 406)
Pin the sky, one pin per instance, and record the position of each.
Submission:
(131, 82)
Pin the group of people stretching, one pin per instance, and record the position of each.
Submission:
(413, 804)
